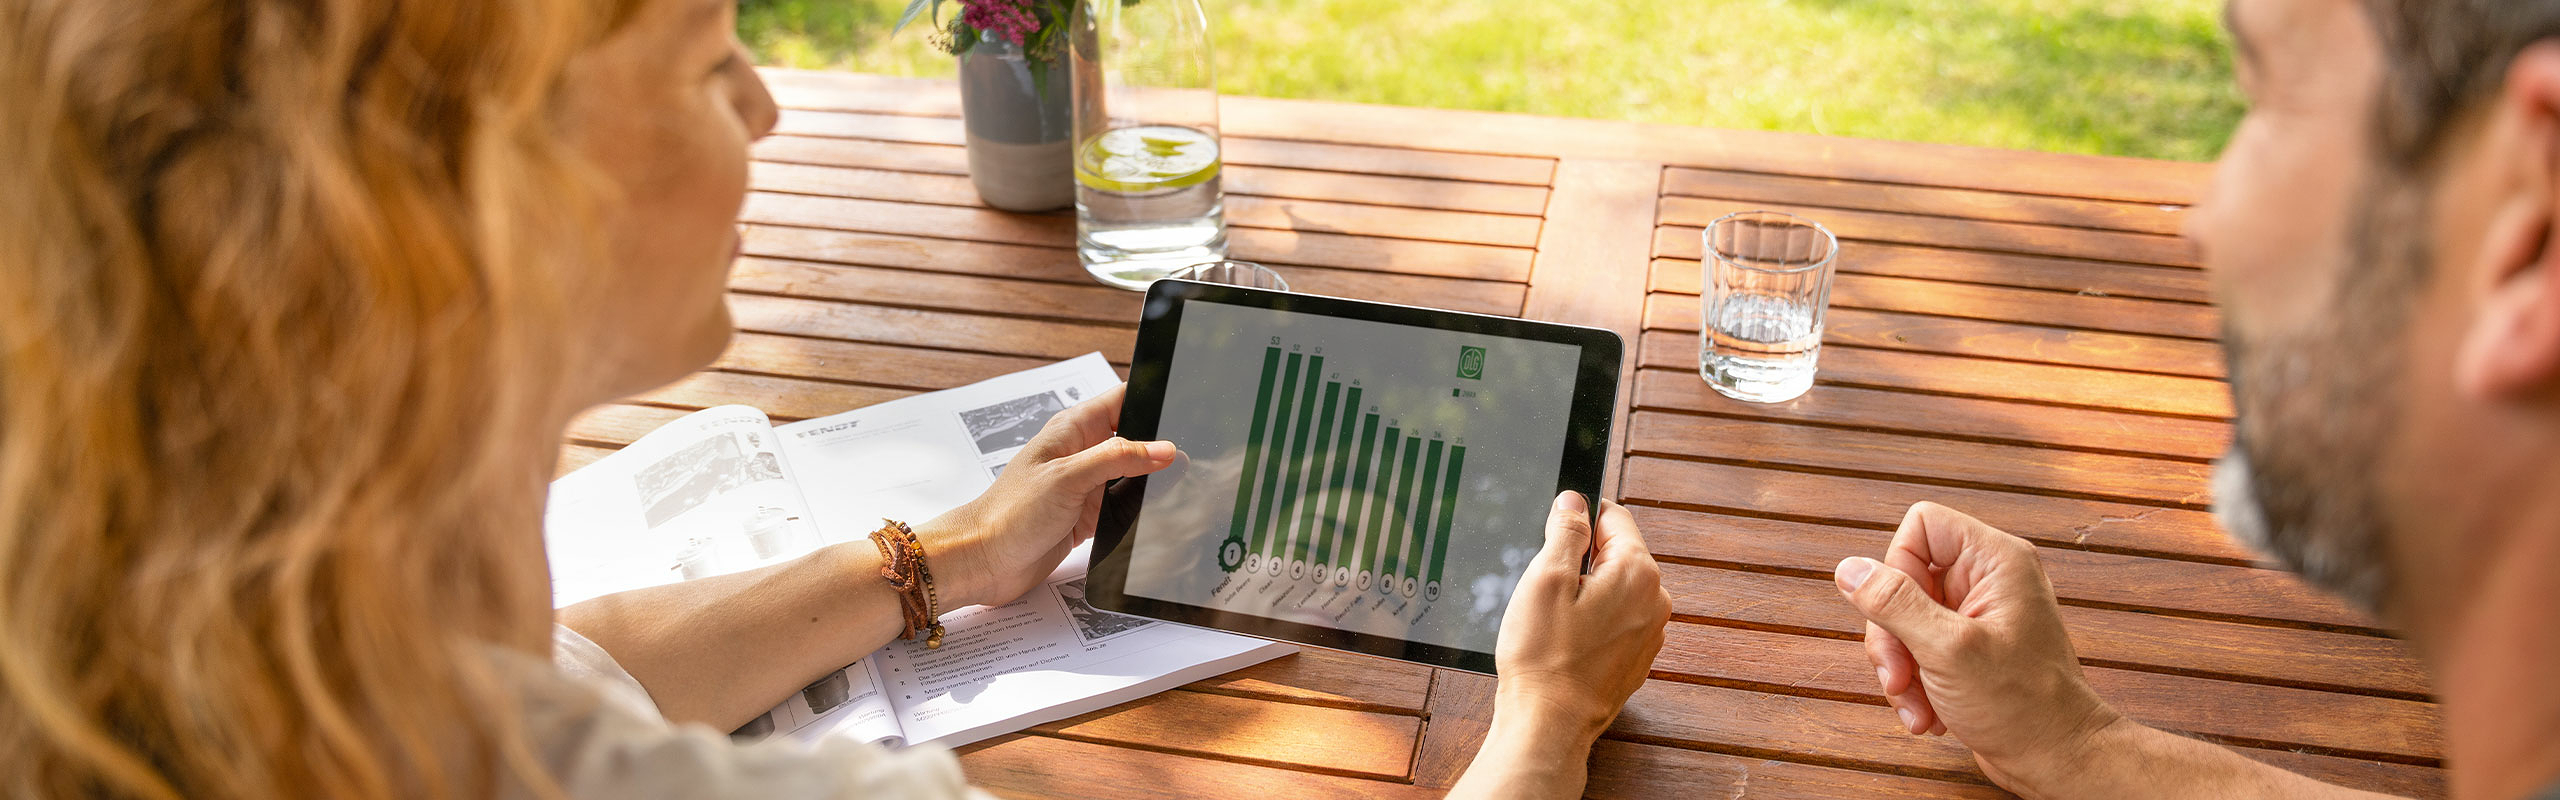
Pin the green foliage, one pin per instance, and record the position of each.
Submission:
(2125, 77)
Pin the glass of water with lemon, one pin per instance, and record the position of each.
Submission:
(1148, 200)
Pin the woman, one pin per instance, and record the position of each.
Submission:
(296, 297)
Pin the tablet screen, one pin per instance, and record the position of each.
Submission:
(1377, 478)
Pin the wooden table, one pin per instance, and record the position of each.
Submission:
(2019, 335)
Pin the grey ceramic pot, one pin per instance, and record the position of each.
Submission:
(1020, 131)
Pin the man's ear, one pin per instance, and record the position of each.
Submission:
(2512, 345)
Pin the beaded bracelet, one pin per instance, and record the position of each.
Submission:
(902, 563)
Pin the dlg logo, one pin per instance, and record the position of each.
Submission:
(1471, 363)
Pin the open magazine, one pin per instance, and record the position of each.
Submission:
(724, 490)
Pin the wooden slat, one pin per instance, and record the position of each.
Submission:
(1485, 262)
(1867, 737)
(1888, 330)
(2155, 643)
(1628, 771)
(1460, 715)
(978, 333)
(877, 216)
(908, 128)
(1587, 269)
(1236, 150)
(1058, 265)
(1242, 208)
(1920, 459)
(938, 159)
(1369, 159)
(2092, 524)
(1974, 377)
(1681, 389)
(1388, 190)
(616, 424)
(980, 293)
(1316, 738)
(1388, 222)
(1320, 677)
(858, 362)
(1682, 248)
(574, 457)
(784, 399)
(1999, 304)
(863, 183)
(1024, 766)
(1970, 234)
(2079, 576)
(2278, 717)
(1936, 201)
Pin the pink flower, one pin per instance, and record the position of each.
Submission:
(1010, 20)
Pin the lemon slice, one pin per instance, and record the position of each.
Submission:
(1149, 158)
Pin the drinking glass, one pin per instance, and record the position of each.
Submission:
(1233, 273)
(1767, 282)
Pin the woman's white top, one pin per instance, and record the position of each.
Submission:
(601, 736)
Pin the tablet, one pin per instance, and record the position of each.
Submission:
(1359, 476)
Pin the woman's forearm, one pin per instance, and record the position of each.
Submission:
(722, 650)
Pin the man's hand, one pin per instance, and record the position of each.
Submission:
(1045, 503)
(1967, 639)
(1573, 648)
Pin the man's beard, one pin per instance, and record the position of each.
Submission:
(2316, 408)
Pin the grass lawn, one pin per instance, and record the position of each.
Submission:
(2119, 77)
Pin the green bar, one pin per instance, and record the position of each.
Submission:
(1422, 510)
(1253, 444)
(1448, 504)
(1313, 523)
(1377, 528)
(1271, 470)
(1339, 502)
(1285, 535)
(1404, 501)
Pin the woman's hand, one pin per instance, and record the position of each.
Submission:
(1573, 648)
(998, 546)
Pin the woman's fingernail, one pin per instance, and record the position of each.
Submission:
(1160, 451)
(1572, 501)
(1881, 680)
(1910, 722)
(1852, 573)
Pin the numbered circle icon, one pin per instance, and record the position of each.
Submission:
(1431, 591)
(1230, 555)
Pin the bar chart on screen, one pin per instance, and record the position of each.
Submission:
(1337, 491)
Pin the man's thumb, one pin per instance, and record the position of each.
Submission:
(1891, 599)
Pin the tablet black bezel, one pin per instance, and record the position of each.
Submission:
(1585, 457)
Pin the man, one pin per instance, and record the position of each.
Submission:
(2382, 237)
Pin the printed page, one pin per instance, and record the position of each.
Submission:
(708, 494)
(1048, 656)
(913, 458)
